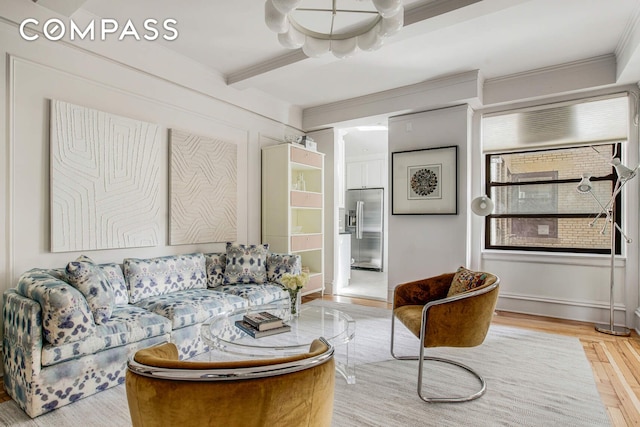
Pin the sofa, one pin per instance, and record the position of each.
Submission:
(68, 332)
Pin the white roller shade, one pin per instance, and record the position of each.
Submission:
(557, 125)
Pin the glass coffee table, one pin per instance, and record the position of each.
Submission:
(312, 322)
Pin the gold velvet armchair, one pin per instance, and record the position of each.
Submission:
(293, 391)
(438, 320)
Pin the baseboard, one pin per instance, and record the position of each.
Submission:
(586, 311)
(636, 320)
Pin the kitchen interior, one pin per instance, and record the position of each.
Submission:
(363, 213)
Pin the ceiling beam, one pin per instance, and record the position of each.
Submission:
(412, 15)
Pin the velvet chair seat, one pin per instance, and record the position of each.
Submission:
(293, 391)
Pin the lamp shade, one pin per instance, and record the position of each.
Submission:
(275, 20)
(482, 206)
(584, 186)
(314, 48)
(623, 172)
(344, 48)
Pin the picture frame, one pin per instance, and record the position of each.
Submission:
(425, 181)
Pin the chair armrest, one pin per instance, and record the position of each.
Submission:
(422, 291)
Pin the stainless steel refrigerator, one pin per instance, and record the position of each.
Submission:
(365, 219)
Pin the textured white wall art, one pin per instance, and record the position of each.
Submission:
(204, 189)
(104, 180)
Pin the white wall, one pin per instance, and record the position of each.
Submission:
(325, 140)
(569, 286)
(427, 245)
(33, 73)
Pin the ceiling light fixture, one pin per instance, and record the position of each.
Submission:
(317, 30)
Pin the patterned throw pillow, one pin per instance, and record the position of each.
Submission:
(466, 280)
(163, 275)
(279, 264)
(92, 282)
(216, 263)
(118, 283)
(246, 264)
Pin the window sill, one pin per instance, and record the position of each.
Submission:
(589, 260)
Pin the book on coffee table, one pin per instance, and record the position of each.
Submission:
(263, 320)
(255, 333)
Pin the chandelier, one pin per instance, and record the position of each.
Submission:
(320, 26)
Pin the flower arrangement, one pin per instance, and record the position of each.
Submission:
(293, 283)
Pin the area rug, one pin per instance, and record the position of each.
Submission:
(533, 379)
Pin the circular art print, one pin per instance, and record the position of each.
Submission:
(424, 182)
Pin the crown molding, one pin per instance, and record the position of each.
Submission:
(628, 49)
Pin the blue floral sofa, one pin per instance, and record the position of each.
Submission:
(68, 332)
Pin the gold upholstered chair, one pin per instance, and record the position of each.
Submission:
(450, 310)
(288, 391)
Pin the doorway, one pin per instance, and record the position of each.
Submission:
(363, 212)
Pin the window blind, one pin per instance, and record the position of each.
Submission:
(561, 124)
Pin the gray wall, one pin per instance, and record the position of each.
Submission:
(427, 245)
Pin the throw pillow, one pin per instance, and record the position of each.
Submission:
(466, 280)
(246, 264)
(216, 263)
(279, 264)
(92, 282)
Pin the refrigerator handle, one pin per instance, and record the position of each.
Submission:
(359, 212)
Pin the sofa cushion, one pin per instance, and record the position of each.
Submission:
(160, 276)
(127, 325)
(216, 262)
(466, 280)
(66, 316)
(88, 278)
(185, 308)
(279, 264)
(256, 294)
(246, 264)
(119, 285)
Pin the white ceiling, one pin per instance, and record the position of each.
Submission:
(497, 37)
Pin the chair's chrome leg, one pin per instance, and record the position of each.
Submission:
(483, 384)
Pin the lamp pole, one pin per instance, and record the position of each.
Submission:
(610, 328)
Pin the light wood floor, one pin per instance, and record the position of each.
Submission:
(615, 360)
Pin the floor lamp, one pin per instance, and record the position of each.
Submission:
(608, 210)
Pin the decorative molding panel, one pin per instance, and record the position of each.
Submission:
(104, 180)
(204, 189)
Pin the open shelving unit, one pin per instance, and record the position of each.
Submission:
(292, 212)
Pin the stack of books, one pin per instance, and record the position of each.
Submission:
(262, 324)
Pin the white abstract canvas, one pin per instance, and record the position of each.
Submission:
(204, 189)
(104, 180)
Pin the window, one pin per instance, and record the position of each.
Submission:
(537, 206)
(535, 157)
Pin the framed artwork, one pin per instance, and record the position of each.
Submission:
(425, 182)
(105, 180)
(203, 189)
